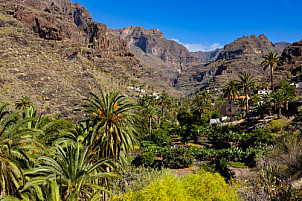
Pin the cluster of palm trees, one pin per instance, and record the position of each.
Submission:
(202, 103)
(44, 159)
(247, 84)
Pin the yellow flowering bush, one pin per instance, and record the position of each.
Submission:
(200, 186)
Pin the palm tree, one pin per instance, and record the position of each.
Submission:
(18, 147)
(147, 100)
(261, 108)
(114, 123)
(231, 91)
(77, 170)
(202, 102)
(242, 104)
(289, 92)
(246, 82)
(163, 100)
(271, 60)
(267, 99)
(150, 113)
(279, 98)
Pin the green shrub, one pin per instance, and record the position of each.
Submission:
(260, 136)
(159, 137)
(165, 125)
(177, 157)
(201, 186)
(147, 158)
(208, 167)
(185, 118)
(277, 125)
(147, 143)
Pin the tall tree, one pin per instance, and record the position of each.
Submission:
(202, 102)
(150, 113)
(279, 98)
(246, 83)
(231, 91)
(289, 92)
(242, 104)
(163, 100)
(271, 60)
(114, 130)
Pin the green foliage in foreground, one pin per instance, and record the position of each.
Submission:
(201, 186)
(177, 157)
(146, 158)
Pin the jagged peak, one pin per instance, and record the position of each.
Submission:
(252, 44)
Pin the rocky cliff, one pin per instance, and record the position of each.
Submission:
(53, 51)
(243, 55)
(162, 60)
(153, 42)
(292, 57)
(248, 47)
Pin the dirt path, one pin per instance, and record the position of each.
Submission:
(185, 171)
(242, 173)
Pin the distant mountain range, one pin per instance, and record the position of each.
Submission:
(55, 52)
(208, 56)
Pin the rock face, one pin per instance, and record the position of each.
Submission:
(248, 47)
(292, 54)
(153, 42)
(282, 45)
(53, 51)
(207, 56)
(162, 60)
(243, 55)
(61, 19)
(292, 57)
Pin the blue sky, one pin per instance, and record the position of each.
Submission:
(204, 24)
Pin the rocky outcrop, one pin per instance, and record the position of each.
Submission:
(243, 55)
(207, 56)
(292, 54)
(248, 47)
(61, 19)
(153, 42)
(292, 59)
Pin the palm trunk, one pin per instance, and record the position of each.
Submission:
(247, 105)
(272, 79)
(163, 112)
(286, 108)
(150, 126)
(243, 112)
(279, 112)
(105, 193)
(231, 110)
(272, 83)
